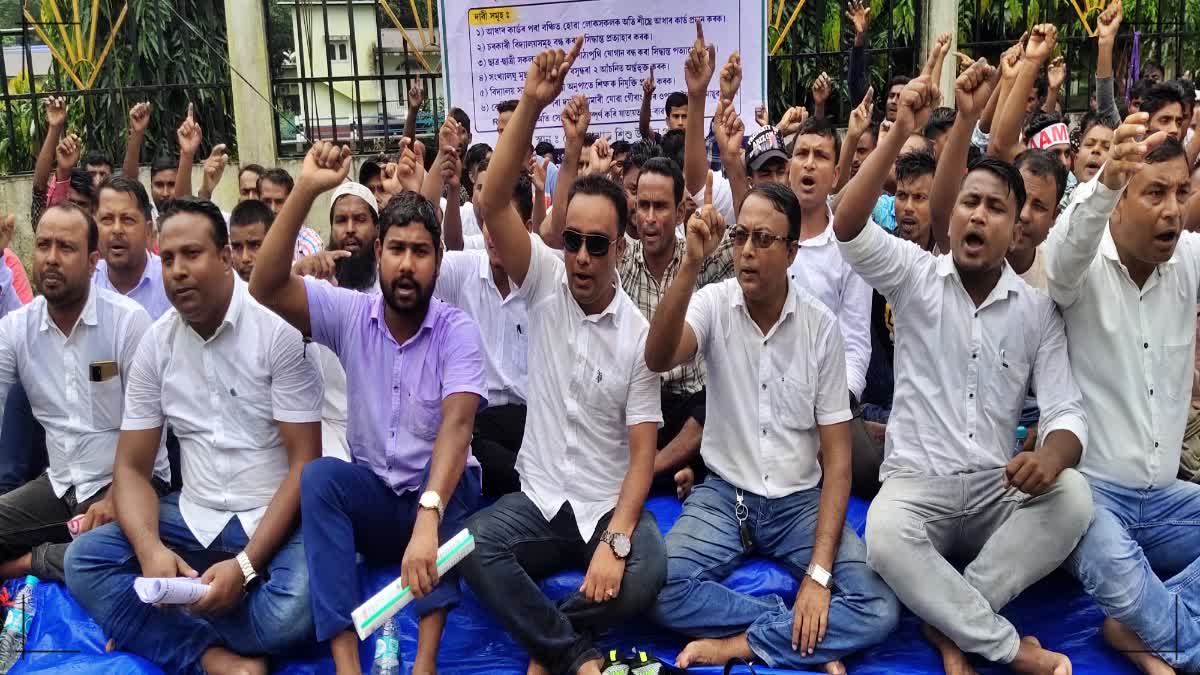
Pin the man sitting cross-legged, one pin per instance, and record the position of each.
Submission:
(971, 338)
(777, 378)
(417, 365)
(233, 381)
(587, 459)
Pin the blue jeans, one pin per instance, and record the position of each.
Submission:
(274, 619)
(1136, 536)
(704, 547)
(514, 545)
(346, 508)
(22, 442)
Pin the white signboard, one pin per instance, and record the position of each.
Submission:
(487, 46)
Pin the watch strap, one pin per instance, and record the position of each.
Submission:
(822, 576)
(248, 572)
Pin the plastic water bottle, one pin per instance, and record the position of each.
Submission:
(16, 625)
(387, 650)
(1022, 434)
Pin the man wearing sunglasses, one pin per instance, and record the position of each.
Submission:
(971, 339)
(780, 458)
(593, 411)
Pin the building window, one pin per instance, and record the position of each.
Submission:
(339, 50)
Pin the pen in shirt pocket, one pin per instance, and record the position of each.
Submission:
(1003, 358)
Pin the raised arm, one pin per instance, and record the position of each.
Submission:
(139, 120)
(189, 135)
(671, 341)
(273, 283)
(67, 154)
(1056, 74)
(214, 169)
(56, 121)
(860, 195)
(1074, 242)
(1006, 132)
(435, 180)
(972, 92)
(416, 98)
(648, 87)
(822, 89)
(576, 116)
(451, 168)
(1108, 25)
(859, 15)
(543, 84)
(860, 121)
(538, 170)
(699, 68)
(728, 129)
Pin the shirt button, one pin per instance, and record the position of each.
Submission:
(970, 435)
(1156, 444)
(764, 386)
(974, 355)
(971, 395)
(765, 433)
(1151, 392)
(1145, 345)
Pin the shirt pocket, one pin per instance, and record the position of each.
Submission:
(605, 392)
(423, 417)
(1005, 390)
(1175, 371)
(107, 400)
(793, 401)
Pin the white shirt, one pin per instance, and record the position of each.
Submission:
(82, 417)
(466, 215)
(962, 372)
(223, 396)
(474, 242)
(334, 413)
(820, 270)
(769, 391)
(591, 385)
(1132, 349)
(1035, 276)
(465, 281)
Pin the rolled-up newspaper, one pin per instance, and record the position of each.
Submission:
(169, 591)
(396, 595)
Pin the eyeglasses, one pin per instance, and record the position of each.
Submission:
(761, 238)
(597, 244)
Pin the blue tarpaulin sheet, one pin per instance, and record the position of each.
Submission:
(64, 640)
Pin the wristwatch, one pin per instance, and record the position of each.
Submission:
(433, 501)
(820, 575)
(618, 542)
(250, 576)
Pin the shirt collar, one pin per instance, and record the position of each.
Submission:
(152, 269)
(87, 316)
(1008, 282)
(609, 311)
(233, 313)
(790, 304)
(1108, 249)
(825, 237)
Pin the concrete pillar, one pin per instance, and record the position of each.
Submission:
(245, 26)
(941, 16)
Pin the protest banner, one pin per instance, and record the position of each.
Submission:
(487, 48)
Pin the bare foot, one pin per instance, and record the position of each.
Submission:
(714, 652)
(1122, 638)
(221, 661)
(835, 668)
(536, 668)
(685, 479)
(1035, 660)
(590, 667)
(954, 661)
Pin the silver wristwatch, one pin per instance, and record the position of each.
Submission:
(248, 572)
(820, 575)
(618, 542)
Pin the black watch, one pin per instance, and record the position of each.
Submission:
(618, 542)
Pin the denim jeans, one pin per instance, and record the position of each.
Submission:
(705, 546)
(1138, 535)
(1011, 539)
(22, 442)
(273, 619)
(514, 545)
(346, 508)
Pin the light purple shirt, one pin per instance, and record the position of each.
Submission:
(149, 292)
(396, 389)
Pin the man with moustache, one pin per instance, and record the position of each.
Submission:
(248, 181)
(1095, 133)
(71, 349)
(232, 380)
(349, 259)
(1125, 274)
(274, 186)
(418, 365)
(126, 230)
(972, 338)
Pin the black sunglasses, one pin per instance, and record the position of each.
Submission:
(597, 244)
(761, 238)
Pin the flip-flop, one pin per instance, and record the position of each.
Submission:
(737, 662)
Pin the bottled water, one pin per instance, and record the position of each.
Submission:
(1022, 434)
(387, 650)
(16, 625)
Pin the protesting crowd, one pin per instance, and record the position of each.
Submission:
(980, 318)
